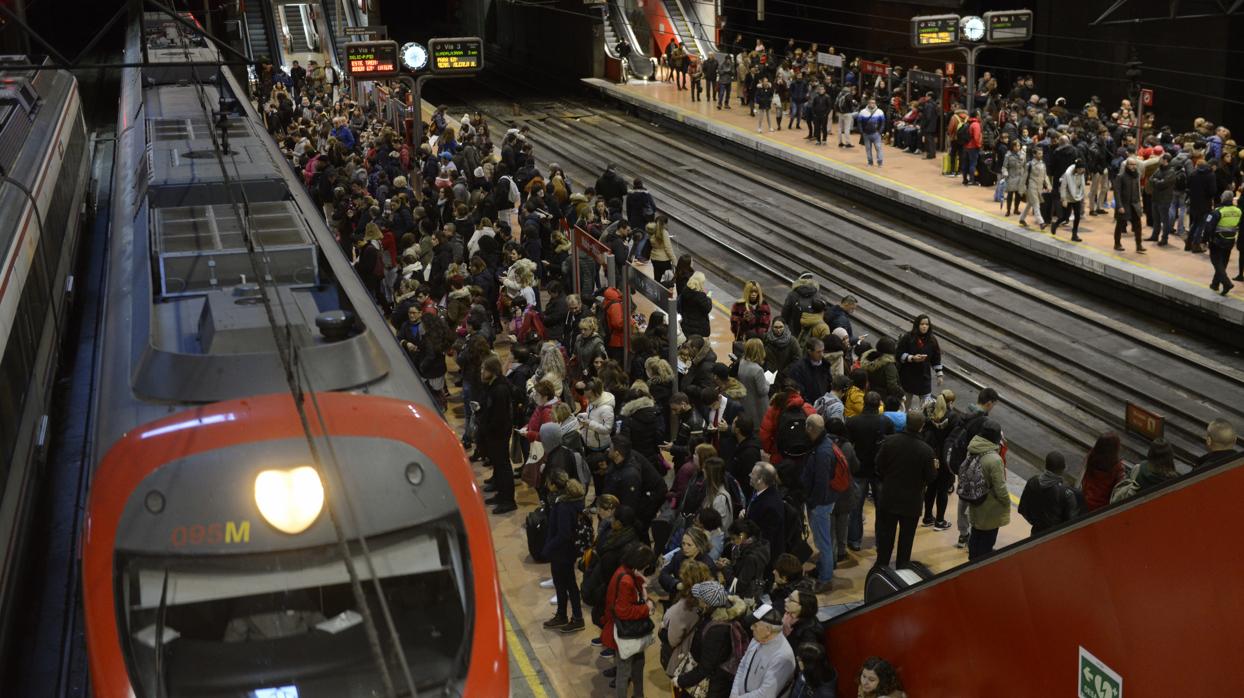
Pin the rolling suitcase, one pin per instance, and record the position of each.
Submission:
(884, 581)
(537, 526)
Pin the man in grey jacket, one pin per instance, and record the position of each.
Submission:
(769, 662)
(1163, 184)
(1127, 204)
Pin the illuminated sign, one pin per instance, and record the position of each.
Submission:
(370, 60)
(456, 56)
(1011, 25)
(934, 31)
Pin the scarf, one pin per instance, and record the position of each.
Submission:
(780, 340)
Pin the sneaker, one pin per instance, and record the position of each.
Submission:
(1238, 277)
(926, 521)
(546, 583)
(963, 541)
(941, 525)
(611, 672)
(553, 600)
(504, 509)
(607, 653)
(557, 622)
(574, 626)
(596, 642)
(855, 546)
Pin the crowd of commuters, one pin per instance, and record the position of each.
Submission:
(726, 503)
(1042, 157)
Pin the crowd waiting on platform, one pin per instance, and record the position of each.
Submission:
(699, 500)
(1042, 157)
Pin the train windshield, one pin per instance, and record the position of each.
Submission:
(287, 625)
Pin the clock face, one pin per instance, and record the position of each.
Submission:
(973, 28)
(414, 56)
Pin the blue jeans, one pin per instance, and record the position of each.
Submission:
(1164, 224)
(1179, 206)
(970, 157)
(821, 521)
(872, 141)
(855, 532)
(723, 94)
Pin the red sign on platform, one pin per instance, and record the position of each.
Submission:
(1146, 97)
(874, 68)
(1150, 425)
(950, 68)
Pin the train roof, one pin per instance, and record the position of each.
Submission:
(186, 319)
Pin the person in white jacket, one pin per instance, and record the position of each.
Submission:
(1071, 193)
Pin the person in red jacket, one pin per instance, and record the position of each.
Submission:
(788, 398)
(626, 599)
(1102, 471)
(613, 315)
(972, 149)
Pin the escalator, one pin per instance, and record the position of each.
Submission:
(338, 20)
(618, 28)
(1144, 592)
(300, 41)
(688, 28)
(259, 31)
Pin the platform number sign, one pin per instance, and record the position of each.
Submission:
(456, 56)
(1095, 679)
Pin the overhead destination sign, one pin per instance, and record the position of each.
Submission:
(934, 30)
(456, 56)
(371, 60)
(1009, 25)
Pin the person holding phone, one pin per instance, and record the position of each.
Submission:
(919, 361)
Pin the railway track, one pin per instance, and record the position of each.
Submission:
(1065, 369)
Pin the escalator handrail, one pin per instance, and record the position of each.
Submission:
(698, 33)
(675, 5)
(628, 33)
(246, 35)
(1184, 480)
(274, 40)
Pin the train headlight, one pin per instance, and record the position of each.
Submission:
(290, 500)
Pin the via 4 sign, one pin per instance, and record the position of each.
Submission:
(1095, 679)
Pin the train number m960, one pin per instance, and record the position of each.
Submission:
(228, 532)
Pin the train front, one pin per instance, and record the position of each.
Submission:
(215, 564)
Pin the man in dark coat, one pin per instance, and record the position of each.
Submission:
(1048, 500)
(811, 373)
(1202, 195)
(1127, 205)
(611, 185)
(641, 209)
(623, 478)
(906, 465)
(746, 454)
(495, 424)
(766, 509)
(930, 124)
(866, 431)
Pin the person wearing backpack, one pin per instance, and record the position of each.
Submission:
(1048, 500)
(781, 431)
(970, 139)
(826, 475)
(955, 451)
(1157, 468)
(994, 510)
(717, 644)
(905, 466)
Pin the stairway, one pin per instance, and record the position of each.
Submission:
(297, 29)
(256, 31)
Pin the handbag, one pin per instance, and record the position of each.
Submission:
(700, 690)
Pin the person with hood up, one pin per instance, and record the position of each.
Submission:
(803, 307)
(995, 512)
(712, 643)
(694, 306)
(781, 349)
(880, 363)
(919, 361)
(1048, 500)
(749, 316)
(559, 547)
(614, 315)
(1127, 204)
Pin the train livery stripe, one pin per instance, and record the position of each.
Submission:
(20, 251)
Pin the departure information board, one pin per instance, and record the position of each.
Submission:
(456, 56)
(934, 31)
(370, 60)
(1010, 25)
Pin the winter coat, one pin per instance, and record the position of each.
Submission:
(813, 380)
(564, 516)
(1013, 169)
(752, 376)
(586, 348)
(882, 373)
(905, 465)
(694, 308)
(1048, 501)
(641, 421)
(668, 579)
(769, 512)
(818, 470)
(1201, 187)
(599, 423)
(916, 376)
(749, 567)
(624, 600)
(995, 511)
(1036, 181)
(1071, 186)
(1163, 184)
(748, 321)
(1127, 195)
(712, 646)
(769, 425)
(780, 352)
(866, 432)
(678, 626)
(803, 307)
(1097, 485)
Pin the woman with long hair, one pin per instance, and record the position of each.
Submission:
(941, 418)
(752, 376)
(679, 622)
(749, 316)
(1103, 469)
(918, 353)
(661, 249)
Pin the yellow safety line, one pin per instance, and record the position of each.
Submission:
(872, 173)
(523, 661)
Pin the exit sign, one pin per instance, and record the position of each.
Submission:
(1095, 679)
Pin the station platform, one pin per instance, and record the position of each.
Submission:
(551, 663)
(1166, 277)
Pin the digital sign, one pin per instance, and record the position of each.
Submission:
(371, 60)
(934, 31)
(456, 56)
(1011, 25)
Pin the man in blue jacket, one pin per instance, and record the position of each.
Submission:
(818, 472)
(871, 121)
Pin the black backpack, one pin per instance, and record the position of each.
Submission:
(964, 135)
(602, 319)
(792, 434)
(955, 447)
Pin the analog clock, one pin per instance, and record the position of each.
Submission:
(973, 28)
(414, 56)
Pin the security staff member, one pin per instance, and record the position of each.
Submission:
(1225, 222)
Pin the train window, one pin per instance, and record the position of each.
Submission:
(290, 619)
